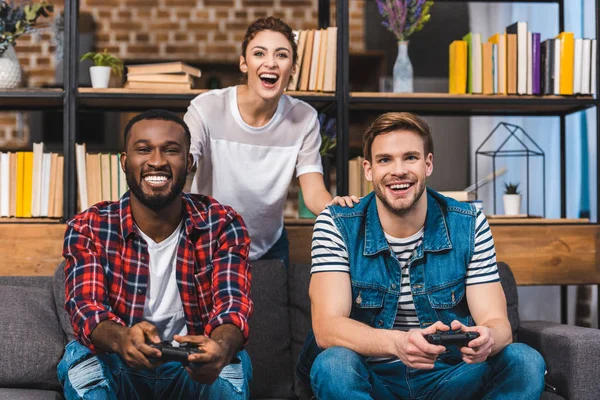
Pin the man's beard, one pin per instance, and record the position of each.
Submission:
(155, 202)
(402, 210)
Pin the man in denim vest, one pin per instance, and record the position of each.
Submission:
(406, 262)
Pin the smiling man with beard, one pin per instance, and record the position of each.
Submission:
(406, 262)
(157, 265)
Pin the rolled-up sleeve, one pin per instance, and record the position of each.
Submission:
(86, 298)
(232, 278)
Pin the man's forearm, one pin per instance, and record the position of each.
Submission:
(356, 336)
(107, 335)
(230, 336)
(501, 333)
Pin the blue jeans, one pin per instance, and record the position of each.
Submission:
(517, 372)
(280, 250)
(84, 375)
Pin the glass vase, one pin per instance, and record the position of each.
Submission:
(403, 70)
(10, 69)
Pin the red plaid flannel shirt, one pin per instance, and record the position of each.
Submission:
(107, 265)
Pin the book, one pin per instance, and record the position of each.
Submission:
(322, 61)
(12, 207)
(567, 50)
(499, 39)
(511, 63)
(307, 60)
(45, 184)
(162, 78)
(457, 81)
(557, 74)
(586, 66)
(536, 63)
(547, 66)
(27, 183)
(58, 203)
(331, 60)
(459, 195)
(577, 65)
(106, 193)
(81, 170)
(593, 69)
(163, 68)
(4, 184)
(114, 177)
(314, 61)
(53, 184)
(495, 68)
(529, 63)
(520, 29)
(487, 68)
(36, 195)
(474, 79)
(301, 44)
(158, 85)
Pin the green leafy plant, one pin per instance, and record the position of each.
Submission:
(17, 20)
(510, 188)
(105, 59)
(328, 135)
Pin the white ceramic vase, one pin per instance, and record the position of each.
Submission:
(100, 77)
(512, 204)
(10, 69)
(403, 70)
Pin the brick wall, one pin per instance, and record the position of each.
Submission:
(204, 30)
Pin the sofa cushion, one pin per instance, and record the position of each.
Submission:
(31, 339)
(269, 344)
(509, 284)
(58, 289)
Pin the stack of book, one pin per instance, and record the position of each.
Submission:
(317, 60)
(358, 185)
(517, 62)
(31, 183)
(165, 76)
(99, 177)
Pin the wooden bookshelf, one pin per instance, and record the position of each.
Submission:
(31, 99)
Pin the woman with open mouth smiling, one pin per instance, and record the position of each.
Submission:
(248, 140)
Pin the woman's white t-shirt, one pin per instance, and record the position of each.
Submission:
(250, 168)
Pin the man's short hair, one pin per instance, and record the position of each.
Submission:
(162, 115)
(395, 121)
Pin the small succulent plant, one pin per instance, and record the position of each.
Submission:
(510, 188)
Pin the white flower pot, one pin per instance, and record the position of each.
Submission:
(512, 204)
(100, 77)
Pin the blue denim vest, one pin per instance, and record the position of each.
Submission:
(438, 268)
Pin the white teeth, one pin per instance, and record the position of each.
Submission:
(268, 76)
(401, 187)
(155, 179)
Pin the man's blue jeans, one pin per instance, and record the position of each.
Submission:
(517, 372)
(84, 375)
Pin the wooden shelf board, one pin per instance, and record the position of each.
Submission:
(31, 98)
(493, 221)
(12, 220)
(125, 99)
(470, 104)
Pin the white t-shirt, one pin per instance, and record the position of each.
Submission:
(250, 168)
(163, 307)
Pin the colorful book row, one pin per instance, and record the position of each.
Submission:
(516, 62)
(31, 184)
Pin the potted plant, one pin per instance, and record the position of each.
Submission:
(103, 64)
(512, 199)
(16, 20)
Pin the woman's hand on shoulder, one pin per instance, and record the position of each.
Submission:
(344, 201)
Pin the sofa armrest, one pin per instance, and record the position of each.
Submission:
(571, 354)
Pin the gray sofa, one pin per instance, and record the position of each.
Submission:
(35, 329)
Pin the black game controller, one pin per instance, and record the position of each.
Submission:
(178, 354)
(451, 338)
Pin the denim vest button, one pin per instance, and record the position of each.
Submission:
(393, 286)
(380, 322)
(358, 299)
